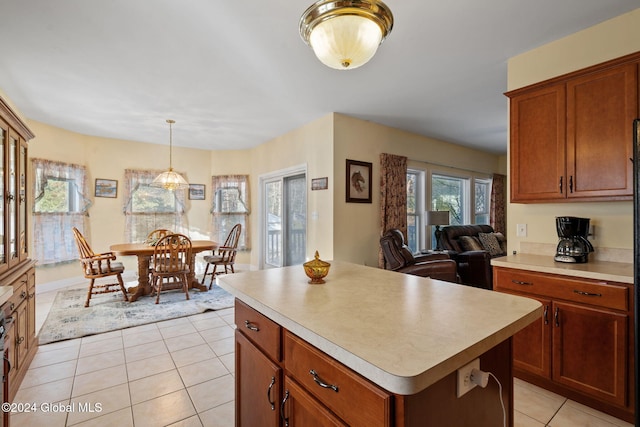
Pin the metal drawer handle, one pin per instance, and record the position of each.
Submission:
(587, 294)
(519, 282)
(284, 400)
(271, 402)
(546, 314)
(251, 326)
(321, 383)
(557, 317)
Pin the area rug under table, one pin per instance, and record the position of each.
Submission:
(68, 317)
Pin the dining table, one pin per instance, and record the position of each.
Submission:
(144, 252)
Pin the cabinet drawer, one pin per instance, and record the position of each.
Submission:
(601, 294)
(354, 399)
(262, 331)
(19, 294)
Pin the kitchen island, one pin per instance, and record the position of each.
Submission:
(369, 347)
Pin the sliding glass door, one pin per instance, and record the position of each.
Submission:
(285, 225)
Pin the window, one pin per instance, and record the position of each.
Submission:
(465, 195)
(230, 207)
(482, 200)
(59, 196)
(59, 206)
(415, 207)
(148, 208)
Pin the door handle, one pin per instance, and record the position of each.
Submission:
(271, 402)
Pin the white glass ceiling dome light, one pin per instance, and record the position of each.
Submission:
(345, 34)
(170, 180)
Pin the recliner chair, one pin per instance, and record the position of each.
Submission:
(399, 258)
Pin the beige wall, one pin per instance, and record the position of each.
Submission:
(309, 146)
(356, 229)
(613, 221)
(338, 230)
(108, 158)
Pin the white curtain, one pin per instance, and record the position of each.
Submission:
(52, 236)
(148, 208)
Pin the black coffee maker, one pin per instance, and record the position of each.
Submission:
(573, 245)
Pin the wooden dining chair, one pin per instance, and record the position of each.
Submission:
(95, 266)
(156, 235)
(171, 258)
(152, 239)
(225, 255)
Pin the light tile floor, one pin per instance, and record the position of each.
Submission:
(181, 373)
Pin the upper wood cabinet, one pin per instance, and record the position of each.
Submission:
(572, 136)
(13, 187)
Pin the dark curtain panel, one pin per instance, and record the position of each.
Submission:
(393, 196)
(498, 202)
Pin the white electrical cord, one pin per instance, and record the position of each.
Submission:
(504, 412)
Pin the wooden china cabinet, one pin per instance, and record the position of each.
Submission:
(16, 269)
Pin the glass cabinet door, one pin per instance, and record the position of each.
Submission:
(12, 171)
(3, 244)
(22, 203)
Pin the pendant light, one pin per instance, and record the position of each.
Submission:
(345, 34)
(170, 180)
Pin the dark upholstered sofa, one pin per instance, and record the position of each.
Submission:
(472, 247)
(399, 258)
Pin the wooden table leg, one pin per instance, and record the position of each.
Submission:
(193, 282)
(144, 287)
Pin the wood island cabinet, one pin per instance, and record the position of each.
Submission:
(283, 381)
(571, 137)
(16, 269)
(582, 347)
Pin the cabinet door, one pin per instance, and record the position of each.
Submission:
(31, 308)
(4, 135)
(600, 112)
(537, 147)
(10, 341)
(532, 345)
(258, 386)
(12, 197)
(300, 409)
(22, 202)
(590, 351)
(20, 347)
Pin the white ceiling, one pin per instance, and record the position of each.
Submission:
(234, 74)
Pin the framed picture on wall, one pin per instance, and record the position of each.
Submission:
(320, 183)
(358, 180)
(106, 188)
(196, 191)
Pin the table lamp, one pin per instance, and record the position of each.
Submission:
(438, 218)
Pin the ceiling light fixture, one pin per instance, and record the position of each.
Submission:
(345, 34)
(169, 179)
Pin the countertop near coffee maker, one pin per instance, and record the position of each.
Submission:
(620, 272)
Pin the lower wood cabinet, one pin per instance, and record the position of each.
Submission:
(299, 408)
(20, 312)
(260, 379)
(582, 346)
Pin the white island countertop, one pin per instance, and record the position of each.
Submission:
(5, 293)
(402, 332)
(621, 272)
